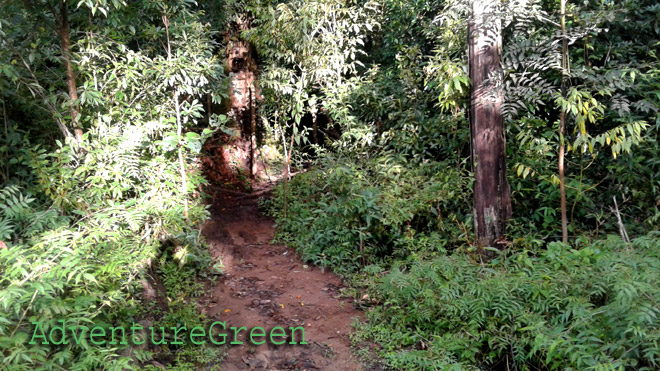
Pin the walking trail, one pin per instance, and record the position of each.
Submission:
(267, 285)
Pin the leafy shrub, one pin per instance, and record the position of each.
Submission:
(560, 308)
(342, 216)
(83, 268)
(82, 222)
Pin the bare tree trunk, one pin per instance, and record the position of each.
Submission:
(562, 124)
(562, 189)
(492, 199)
(65, 43)
(253, 134)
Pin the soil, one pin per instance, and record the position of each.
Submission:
(267, 285)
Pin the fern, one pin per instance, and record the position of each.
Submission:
(586, 309)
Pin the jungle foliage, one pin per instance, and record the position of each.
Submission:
(85, 223)
(385, 199)
(388, 204)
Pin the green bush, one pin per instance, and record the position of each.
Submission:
(77, 253)
(344, 213)
(83, 222)
(558, 308)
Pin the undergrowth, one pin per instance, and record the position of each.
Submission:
(402, 234)
(81, 259)
(345, 213)
(559, 308)
(84, 220)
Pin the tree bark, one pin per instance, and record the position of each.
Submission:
(65, 44)
(492, 199)
(562, 125)
(253, 134)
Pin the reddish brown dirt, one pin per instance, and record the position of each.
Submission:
(268, 285)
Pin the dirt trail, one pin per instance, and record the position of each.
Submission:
(268, 285)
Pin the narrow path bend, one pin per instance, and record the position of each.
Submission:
(268, 285)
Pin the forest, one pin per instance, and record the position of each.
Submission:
(375, 184)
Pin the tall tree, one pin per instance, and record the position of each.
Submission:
(492, 199)
(562, 124)
(32, 20)
(64, 31)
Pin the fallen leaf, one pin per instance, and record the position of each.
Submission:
(227, 310)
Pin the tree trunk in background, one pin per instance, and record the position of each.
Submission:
(315, 128)
(65, 44)
(253, 133)
(233, 155)
(245, 95)
(492, 199)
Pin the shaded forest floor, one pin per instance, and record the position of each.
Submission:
(268, 285)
